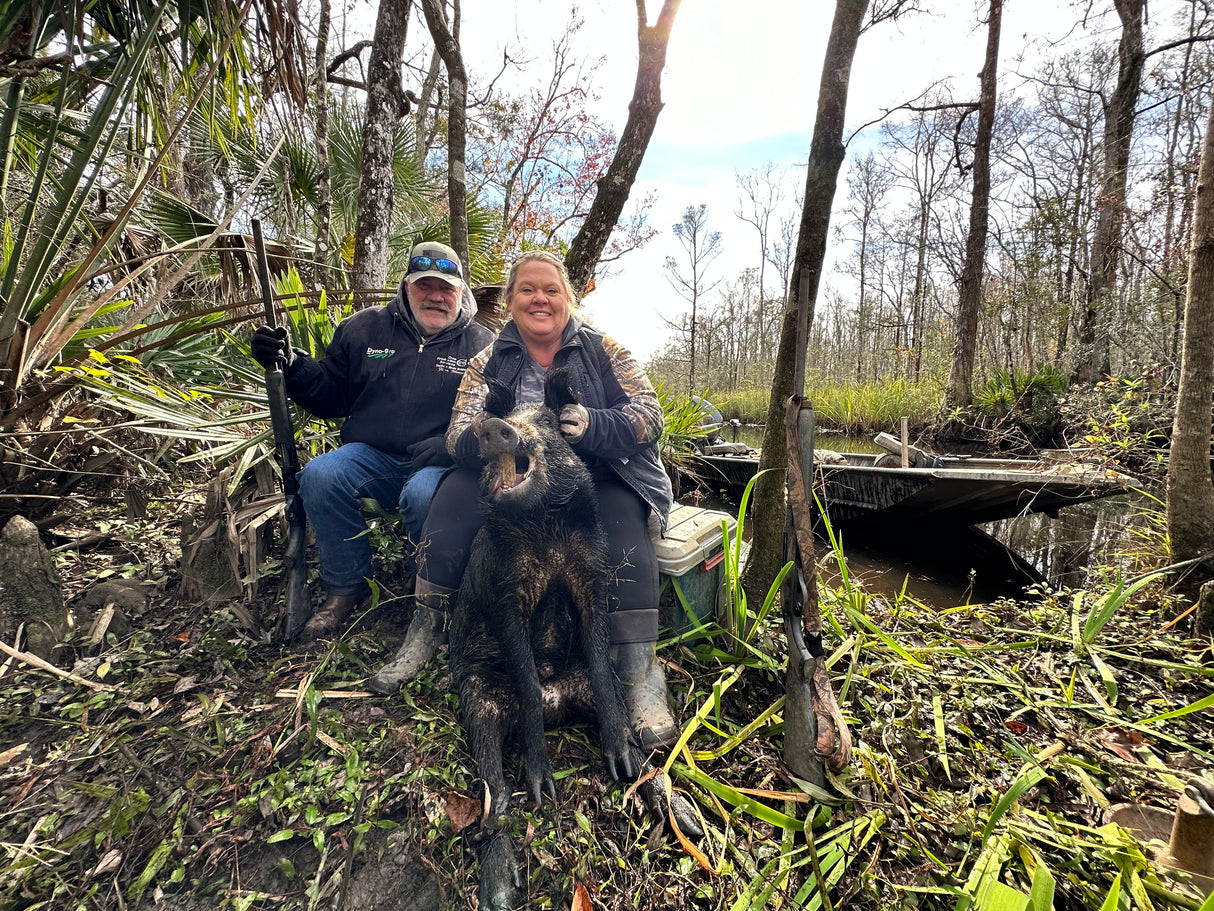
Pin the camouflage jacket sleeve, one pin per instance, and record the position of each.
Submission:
(632, 419)
(469, 402)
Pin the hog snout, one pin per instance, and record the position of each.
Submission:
(497, 437)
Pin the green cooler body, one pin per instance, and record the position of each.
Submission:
(692, 556)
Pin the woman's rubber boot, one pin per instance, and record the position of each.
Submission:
(426, 633)
(637, 666)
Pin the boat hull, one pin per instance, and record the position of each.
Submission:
(963, 491)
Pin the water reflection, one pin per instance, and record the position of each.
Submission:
(1066, 550)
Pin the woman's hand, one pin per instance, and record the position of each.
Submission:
(574, 421)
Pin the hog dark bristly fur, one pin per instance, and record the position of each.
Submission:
(529, 633)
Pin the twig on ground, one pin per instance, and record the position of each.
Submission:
(34, 661)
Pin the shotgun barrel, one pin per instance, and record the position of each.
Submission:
(298, 607)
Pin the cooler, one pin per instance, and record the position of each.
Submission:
(691, 556)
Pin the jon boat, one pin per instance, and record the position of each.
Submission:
(941, 490)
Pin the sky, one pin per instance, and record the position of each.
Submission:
(740, 91)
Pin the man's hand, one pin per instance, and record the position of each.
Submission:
(428, 452)
(574, 421)
(271, 346)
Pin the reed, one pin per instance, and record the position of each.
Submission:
(850, 407)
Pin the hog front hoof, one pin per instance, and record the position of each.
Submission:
(540, 782)
(685, 815)
(618, 757)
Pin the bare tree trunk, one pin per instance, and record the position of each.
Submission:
(826, 153)
(643, 113)
(914, 325)
(1190, 491)
(1094, 359)
(702, 247)
(969, 298)
(1173, 232)
(426, 121)
(447, 42)
(1072, 257)
(324, 191)
(386, 104)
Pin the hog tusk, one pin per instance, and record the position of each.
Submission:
(506, 469)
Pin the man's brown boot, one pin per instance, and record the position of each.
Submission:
(644, 684)
(426, 633)
(331, 618)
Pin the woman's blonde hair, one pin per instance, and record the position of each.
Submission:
(541, 256)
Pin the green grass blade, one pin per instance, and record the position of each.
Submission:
(1199, 706)
(1028, 777)
(743, 802)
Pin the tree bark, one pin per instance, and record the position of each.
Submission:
(386, 104)
(826, 153)
(643, 111)
(446, 40)
(324, 193)
(969, 297)
(1190, 493)
(1094, 359)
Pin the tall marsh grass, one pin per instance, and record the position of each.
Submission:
(848, 407)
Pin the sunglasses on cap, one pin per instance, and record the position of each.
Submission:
(428, 263)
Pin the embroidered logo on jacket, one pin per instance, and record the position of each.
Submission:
(449, 364)
(378, 354)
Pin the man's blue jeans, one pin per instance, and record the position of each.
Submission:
(332, 485)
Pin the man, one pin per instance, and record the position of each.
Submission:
(392, 373)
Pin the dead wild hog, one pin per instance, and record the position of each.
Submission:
(529, 632)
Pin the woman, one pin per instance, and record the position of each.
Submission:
(615, 430)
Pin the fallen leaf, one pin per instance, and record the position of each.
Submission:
(109, 861)
(12, 753)
(581, 898)
(1121, 742)
(331, 743)
(462, 811)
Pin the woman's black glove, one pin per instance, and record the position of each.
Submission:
(430, 451)
(271, 346)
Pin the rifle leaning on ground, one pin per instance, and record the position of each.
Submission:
(298, 608)
(815, 735)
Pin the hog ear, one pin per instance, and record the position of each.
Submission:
(500, 399)
(558, 391)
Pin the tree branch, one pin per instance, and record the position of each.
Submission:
(340, 59)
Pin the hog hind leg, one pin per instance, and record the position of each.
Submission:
(568, 698)
(488, 714)
(516, 649)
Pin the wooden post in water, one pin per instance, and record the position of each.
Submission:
(905, 436)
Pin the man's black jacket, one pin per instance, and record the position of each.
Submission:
(393, 386)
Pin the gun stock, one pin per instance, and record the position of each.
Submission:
(298, 607)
